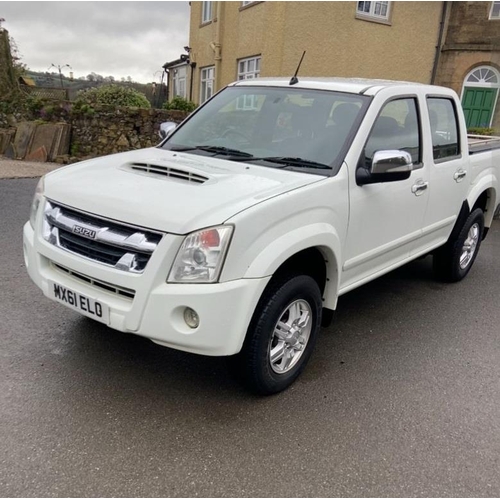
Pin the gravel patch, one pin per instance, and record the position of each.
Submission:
(17, 169)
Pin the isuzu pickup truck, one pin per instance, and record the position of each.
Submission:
(238, 233)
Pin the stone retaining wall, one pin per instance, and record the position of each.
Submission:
(112, 130)
(102, 130)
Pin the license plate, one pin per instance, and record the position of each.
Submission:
(79, 302)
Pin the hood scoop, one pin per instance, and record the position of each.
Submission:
(176, 173)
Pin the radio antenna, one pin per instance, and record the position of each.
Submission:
(294, 78)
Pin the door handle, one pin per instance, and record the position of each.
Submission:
(419, 188)
(460, 175)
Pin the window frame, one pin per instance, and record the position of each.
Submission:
(176, 80)
(246, 60)
(371, 16)
(416, 166)
(248, 4)
(490, 17)
(202, 71)
(255, 73)
(482, 82)
(206, 12)
(457, 123)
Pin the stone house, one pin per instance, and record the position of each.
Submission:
(428, 42)
(234, 40)
(470, 60)
(179, 77)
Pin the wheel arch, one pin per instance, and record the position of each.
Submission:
(314, 250)
(484, 198)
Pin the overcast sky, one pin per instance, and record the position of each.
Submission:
(109, 38)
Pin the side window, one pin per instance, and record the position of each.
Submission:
(397, 127)
(444, 128)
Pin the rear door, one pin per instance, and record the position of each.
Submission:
(449, 176)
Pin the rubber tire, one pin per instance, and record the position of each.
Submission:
(252, 363)
(446, 261)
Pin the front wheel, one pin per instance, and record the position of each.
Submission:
(281, 335)
(454, 260)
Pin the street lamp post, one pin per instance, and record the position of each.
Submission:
(59, 68)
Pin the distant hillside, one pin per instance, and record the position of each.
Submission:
(52, 80)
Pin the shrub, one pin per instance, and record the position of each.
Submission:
(112, 95)
(11, 103)
(180, 104)
(47, 112)
(481, 131)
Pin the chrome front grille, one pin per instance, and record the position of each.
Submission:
(111, 243)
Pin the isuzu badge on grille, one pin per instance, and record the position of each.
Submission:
(83, 231)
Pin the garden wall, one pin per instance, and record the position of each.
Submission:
(111, 130)
(100, 130)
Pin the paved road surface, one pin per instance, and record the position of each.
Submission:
(402, 397)
(17, 169)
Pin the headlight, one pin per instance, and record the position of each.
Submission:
(35, 204)
(201, 256)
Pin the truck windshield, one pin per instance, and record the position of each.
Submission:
(273, 126)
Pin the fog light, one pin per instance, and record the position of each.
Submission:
(191, 318)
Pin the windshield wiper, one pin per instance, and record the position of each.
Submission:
(287, 161)
(213, 149)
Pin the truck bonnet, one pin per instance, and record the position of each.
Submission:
(168, 191)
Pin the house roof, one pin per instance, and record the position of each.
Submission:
(26, 80)
(177, 62)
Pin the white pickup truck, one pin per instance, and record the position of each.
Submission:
(238, 233)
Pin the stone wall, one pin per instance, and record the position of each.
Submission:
(113, 130)
(469, 25)
(471, 40)
(101, 130)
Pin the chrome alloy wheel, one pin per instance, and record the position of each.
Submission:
(470, 245)
(290, 336)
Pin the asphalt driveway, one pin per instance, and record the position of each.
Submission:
(401, 398)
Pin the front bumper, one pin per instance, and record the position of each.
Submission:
(156, 310)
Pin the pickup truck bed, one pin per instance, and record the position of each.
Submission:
(480, 143)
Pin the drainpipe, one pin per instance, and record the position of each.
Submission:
(167, 72)
(193, 65)
(217, 47)
(440, 42)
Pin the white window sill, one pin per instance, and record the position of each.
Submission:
(373, 19)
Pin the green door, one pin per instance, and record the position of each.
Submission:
(478, 104)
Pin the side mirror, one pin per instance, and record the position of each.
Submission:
(387, 166)
(386, 162)
(166, 128)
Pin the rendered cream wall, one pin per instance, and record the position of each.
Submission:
(337, 43)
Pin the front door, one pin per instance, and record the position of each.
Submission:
(387, 218)
(478, 104)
